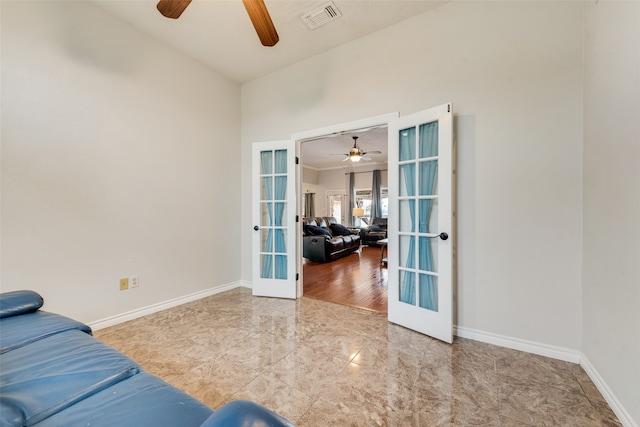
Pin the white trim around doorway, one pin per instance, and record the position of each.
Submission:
(300, 137)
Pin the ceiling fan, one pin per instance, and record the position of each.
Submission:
(356, 154)
(255, 8)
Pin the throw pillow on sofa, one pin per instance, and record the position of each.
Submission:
(340, 230)
(314, 230)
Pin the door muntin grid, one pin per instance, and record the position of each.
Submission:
(418, 219)
(273, 219)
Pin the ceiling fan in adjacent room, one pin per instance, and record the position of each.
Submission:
(255, 8)
(356, 154)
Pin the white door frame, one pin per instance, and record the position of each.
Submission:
(300, 137)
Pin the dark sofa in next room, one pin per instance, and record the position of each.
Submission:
(324, 239)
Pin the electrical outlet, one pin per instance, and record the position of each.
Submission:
(124, 284)
(134, 281)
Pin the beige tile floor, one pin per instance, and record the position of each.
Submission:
(322, 364)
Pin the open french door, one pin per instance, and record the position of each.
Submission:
(420, 250)
(274, 219)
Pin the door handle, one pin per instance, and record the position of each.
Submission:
(255, 227)
(443, 236)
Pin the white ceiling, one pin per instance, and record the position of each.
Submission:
(219, 33)
(329, 153)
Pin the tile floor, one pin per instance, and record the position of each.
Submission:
(323, 364)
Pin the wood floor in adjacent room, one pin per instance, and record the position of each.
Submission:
(357, 280)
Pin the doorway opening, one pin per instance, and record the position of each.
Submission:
(357, 279)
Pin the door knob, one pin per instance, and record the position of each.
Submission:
(443, 236)
(255, 227)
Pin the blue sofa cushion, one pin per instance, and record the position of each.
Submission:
(51, 374)
(142, 400)
(18, 331)
(19, 302)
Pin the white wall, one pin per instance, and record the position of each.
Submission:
(611, 266)
(111, 163)
(513, 71)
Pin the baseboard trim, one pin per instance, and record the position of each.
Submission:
(154, 308)
(555, 352)
(623, 416)
(540, 349)
(245, 284)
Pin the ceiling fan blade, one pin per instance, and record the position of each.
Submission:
(261, 22)
(172, 8)
(365, 158)
(346, 158)
(373, 152)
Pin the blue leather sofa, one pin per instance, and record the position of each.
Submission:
(54, 373)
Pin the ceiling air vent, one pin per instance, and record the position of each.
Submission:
(320, 16)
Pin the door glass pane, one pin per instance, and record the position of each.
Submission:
(279, 217)
(428, 257)
(335, 207)
(407, 144)
(428, 292)
(407, 251)
(281, 267)
(281, 245)
(406, 215)
(266, 188)
(266, 162)
(266, 240)
(428, 178)
(407, 180)
(428, 144)
(280, 192)
(408, 287)
(266, 214)
(266, 263)
(281, 161)
(428, 214)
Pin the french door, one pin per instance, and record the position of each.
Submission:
(274, 219)
(420, 246)
(420, 251)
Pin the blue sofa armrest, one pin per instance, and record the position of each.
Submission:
(241, 413)
(19, 302)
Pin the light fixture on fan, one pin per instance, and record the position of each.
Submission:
(356, 154)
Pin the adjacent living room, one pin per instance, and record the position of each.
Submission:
(344, 263)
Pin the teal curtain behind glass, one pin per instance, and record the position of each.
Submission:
(266, 167)
(407, 152)
(274, 197)
(279, 212)
(428, 147)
